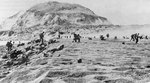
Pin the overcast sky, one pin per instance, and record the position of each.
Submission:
(117, 11)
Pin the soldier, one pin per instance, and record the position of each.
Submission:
(79, 60)
(102, 37)
(107, 35)
(75, 37)
(115, 37)
(9, 46)
(133, 37)
(137, 38)
(78, 37)
(42, 37)
(146, 37)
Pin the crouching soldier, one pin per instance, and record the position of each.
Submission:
(115, 38)
(102, 37)
(107, 35)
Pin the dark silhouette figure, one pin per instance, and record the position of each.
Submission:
(37, 41)
(146, 37)
(76, 38)
(9, 46)
(57, 49)
(42, 37)
(79, 60)
(20, 44)
(141, 37)
(135, 37)
(107, 35)
(115, 37)
(102, 37)
(123, 42)
(89, 38)
(15, 53)
(51, 41)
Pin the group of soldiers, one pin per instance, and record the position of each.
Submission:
(135, 37)
(16, 55)
(10, 44)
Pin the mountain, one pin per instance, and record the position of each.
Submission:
(52, 15)
(10, 21)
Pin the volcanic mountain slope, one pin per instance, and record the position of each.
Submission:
(9, 22)
(53, 14)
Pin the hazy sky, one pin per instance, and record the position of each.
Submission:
(117, 11)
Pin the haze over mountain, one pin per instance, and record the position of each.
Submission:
(124, 12)
(52, 16)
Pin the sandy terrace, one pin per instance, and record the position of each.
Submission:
(102, 62)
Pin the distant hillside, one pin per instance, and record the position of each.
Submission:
(50, 15)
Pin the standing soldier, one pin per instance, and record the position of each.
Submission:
(42, 37)
(78, 37)
(74, 37)
(9, 46)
